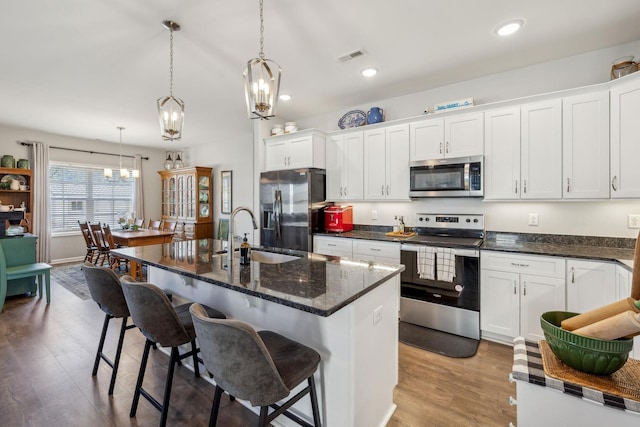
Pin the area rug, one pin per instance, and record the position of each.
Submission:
(71, 277)
(437, 341)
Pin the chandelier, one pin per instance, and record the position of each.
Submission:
(124, 172)
(261, 82)
(170, 108)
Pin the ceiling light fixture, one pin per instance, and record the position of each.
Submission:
(124, 172)
(285, 97)
(261, 82)
(369, 72)
(170, 108)
(509, 28)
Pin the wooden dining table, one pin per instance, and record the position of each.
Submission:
(140, 237)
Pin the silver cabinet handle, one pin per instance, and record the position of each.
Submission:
(345, 190)
(382, 190)
(375, 249)
(573, 275)
(568, 184)
(341, 193)
(387, 190)
(441, 148)
(447, 147)
(524, 289)
(289, 158)
(516, 187)
(525, 186)
(285, 160)
(614, 183)
(515, 287)
(515, 264)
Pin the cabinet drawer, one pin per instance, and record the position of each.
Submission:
(528, 264)
(376, 249)
(333, 246)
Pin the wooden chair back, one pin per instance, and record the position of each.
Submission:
(139, 222)
(154, 224)
(170, 225)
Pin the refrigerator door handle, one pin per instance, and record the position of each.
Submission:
(277, 211)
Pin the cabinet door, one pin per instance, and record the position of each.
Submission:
(538, 294)
(276, 153)
(397, 173)
(375, 164)
(585, 146)
(464, 135)
(371, 250)
(426, 139)
(334, 158)
(502, 154)
(353, 166)
(590, 284)
(541, 145)
(300, 153)
(499, 302)
(625, 147)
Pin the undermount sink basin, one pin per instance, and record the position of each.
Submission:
(271, 257)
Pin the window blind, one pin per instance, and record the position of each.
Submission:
(83, 193)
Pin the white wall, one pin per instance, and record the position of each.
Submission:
(71, 247)
(596, 218)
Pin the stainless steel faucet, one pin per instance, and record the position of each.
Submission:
(230, 243)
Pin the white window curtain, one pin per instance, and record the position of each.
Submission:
(40, 187)
(138, 197)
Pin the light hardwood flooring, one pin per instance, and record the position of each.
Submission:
(46, 357)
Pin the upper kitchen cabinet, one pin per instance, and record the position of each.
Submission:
(187, 196)
(454, 136)
(386, 163)
(303, 149)
(344, 159)
(585, 146)
(625, 140)
(502, 154)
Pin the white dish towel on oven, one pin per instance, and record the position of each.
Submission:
(446, 264)
(426, 262)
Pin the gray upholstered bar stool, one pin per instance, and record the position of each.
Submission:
(160, 323)
(261, 367)
(105, 290)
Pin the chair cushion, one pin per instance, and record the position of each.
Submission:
(295, 362)
(187, 321)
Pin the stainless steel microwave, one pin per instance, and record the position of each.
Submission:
(456, 177)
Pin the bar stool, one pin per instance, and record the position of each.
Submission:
(261, 367)
(161, 323)
(105, 290)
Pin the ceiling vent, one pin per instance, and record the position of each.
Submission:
(351, 55)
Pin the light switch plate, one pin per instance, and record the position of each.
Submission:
(533, 219)
(633, 221)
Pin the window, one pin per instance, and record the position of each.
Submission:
(82, 193)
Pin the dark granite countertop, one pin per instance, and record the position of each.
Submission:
(312, 282)
(618, 250)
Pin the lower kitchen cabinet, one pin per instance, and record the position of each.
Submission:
(590, 284)
(336, 246)
(371, 250)
(515, 290)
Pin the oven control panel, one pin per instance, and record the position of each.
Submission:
(466, 221)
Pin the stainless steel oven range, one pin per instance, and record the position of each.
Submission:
(440, 287)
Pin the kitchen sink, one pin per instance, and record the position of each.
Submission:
(271, 257)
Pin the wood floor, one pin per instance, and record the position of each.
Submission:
(46, 357)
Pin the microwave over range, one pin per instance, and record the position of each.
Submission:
(456, 177)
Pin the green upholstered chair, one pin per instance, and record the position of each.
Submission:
(261, 367)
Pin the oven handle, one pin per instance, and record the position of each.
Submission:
(471, 253)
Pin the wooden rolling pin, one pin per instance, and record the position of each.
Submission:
(618, 326)
(635, 278)
(600, 313)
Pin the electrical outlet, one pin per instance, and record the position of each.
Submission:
(374, 214)
(633, 221)
(533, 219)
(377, 315)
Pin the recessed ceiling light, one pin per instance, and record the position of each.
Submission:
(509, 28)
(285, 97)
(369, 72)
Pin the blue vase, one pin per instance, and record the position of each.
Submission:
(374, 115)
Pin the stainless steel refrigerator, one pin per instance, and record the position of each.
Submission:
(291, 207)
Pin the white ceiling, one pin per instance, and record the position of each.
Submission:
(81, 68)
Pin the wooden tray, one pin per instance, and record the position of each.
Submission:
(399, 234)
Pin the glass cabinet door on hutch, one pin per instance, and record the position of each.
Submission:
(186, 197)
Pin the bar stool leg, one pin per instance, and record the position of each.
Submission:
(314, 401)
(143, 366)
(264, 411)
(167, 390)
(116, 361)
(105, 326)
(196, 366)
(213, 419)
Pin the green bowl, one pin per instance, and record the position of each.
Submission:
(590, 355)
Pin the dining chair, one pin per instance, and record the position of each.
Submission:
(169, 225)
(101, 243)
(139, 222)
(92, 248)
(179, 234)
(154, 224)
(114, 260)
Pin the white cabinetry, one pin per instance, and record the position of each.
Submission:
(625, 139)
(335, 246)
(455, 136)
(590, 284)
(371, 250)
(345, 171)
(502, 154)
(515, 290)
(304, 149)
(386, 163)
(585, 146)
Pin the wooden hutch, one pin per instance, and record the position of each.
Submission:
(17, 197)
(187, 196)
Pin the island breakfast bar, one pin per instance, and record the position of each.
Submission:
(347, 310)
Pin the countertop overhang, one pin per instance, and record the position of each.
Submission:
(313, 283)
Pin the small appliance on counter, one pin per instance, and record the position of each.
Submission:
(338, 219)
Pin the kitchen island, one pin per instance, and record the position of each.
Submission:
(346, 310)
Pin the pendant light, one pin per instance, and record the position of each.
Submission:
(168, 164)
(170, 108)
(124, 172)
(261, 82)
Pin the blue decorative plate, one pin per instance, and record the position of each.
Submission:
(353, 119)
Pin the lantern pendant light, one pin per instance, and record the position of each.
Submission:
(124, 172)
(170, 108)
(261, 82)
